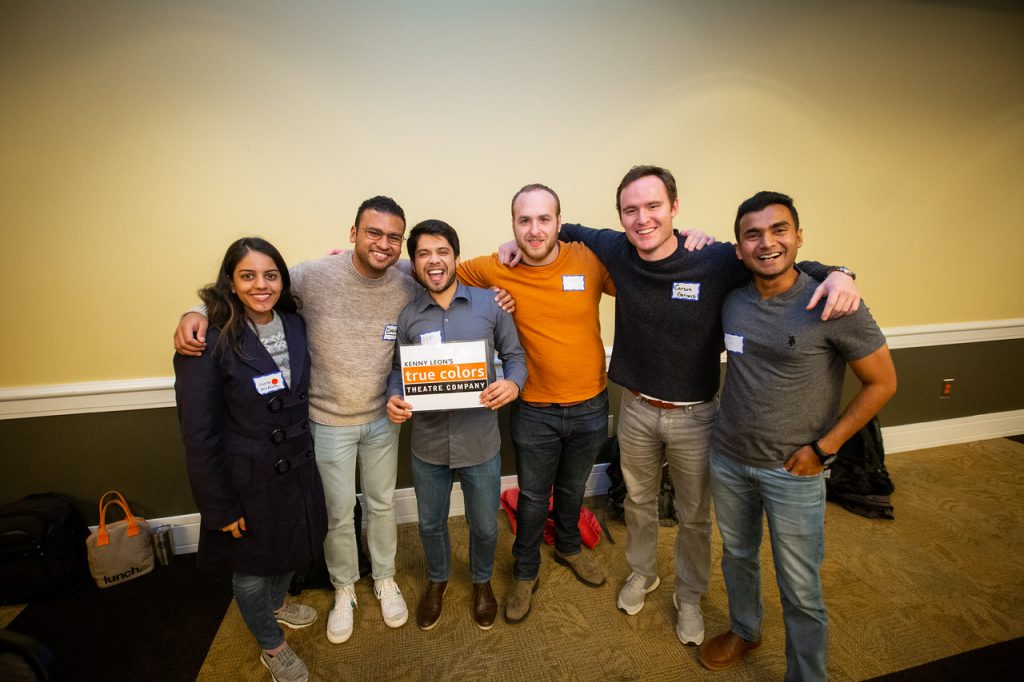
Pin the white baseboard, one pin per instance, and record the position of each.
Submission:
(950, 431)
(897, 439)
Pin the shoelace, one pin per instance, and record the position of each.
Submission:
(637, 580)
(351, 594)
(388, 592)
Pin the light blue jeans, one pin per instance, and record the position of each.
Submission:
(481, 486)
(375, 447)
(795, 506)
(257, 596)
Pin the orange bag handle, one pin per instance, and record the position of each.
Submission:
(111, 492)
(102, 536)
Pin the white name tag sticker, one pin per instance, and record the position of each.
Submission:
(573, 283)
(686, 291)
(268, 383)
(734, 343)
(390, 332)
(430, 338)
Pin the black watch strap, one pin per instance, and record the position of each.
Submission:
(825, 458)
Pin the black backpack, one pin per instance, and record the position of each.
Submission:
(617, 487)
(858, 479)
(42, 549)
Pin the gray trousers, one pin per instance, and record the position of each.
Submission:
(649, 436)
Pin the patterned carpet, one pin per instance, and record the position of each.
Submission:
(945, 577)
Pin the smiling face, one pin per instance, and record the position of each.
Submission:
(378, 242)
(646, 214)
(535, 223)
(256, 282)
(768, 241)
(434, 263)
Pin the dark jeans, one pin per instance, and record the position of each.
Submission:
(555, 447)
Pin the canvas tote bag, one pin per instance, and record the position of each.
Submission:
(121, 550)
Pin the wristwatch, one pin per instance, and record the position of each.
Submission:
(825, 459)
(845, 270)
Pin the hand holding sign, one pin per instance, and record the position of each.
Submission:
(501, 392)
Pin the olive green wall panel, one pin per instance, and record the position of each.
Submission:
(140, 453)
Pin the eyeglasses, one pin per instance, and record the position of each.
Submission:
(376, 235)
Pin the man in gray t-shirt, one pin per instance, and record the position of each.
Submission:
(778, 427)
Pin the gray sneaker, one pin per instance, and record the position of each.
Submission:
(295, 616)
(285, 666)
(689, 622)
(631, 596)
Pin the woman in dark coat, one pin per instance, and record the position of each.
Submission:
(243, 411)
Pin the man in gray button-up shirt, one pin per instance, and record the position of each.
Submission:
(465, 440)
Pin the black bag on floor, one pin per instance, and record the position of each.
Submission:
(858, 479)
(617, 487)
(42, 548)
(316, 575)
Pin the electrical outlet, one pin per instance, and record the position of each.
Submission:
(947, 389)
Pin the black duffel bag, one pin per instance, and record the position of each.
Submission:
(42, 548)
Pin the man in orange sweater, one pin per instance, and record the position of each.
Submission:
(561, 418)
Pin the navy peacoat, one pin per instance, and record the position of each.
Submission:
(251, 455)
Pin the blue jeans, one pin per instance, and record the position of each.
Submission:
(795, 506)
(555, 446)
(375, 446)
(257, 596)
(481, 485)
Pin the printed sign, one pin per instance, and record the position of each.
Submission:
(444, 376)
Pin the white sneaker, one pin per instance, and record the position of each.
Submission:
(689, 623)
(392, 606)
(339, 621)
(632, 594)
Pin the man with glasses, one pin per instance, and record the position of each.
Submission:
(351, 304)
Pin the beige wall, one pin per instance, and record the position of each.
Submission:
(137, 139)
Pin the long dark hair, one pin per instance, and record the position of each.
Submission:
(223, 307)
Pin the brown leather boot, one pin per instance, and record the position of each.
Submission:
(586, 568)
(725, 651)
(429, 610)
(485, 606)
(517, 603)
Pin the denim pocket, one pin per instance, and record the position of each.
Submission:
(803, 477)
(598, 401)
(705, 412)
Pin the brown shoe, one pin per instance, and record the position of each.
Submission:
(429, 610)
(517, 603)
(485, 608)
(725, 651)
(586, 568)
